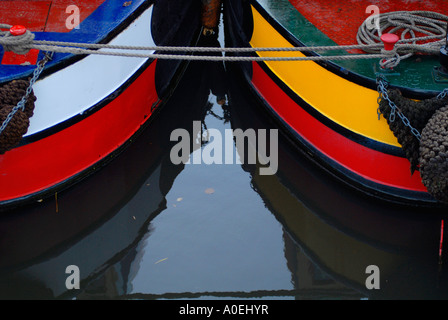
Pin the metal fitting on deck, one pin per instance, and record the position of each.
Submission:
(211, 10)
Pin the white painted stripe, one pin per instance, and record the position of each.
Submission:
(76, 88)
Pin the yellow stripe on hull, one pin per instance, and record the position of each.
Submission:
(344, 102)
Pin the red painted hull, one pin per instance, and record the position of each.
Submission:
(89, 108)
(373, 167)
(39, 167)
(391, 171)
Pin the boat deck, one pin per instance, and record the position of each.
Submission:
(41, 16)
(44, 15)
(340, 21)
(53, 20)
(328, 23)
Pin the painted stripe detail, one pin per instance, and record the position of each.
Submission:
(348, 104)
(52, 160)
(384, 169)
(80, 86)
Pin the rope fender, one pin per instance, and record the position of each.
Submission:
(428, 152)
(10, 95)
(434, 155)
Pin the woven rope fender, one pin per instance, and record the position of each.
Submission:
(10, 94)
(418, 113)
(434, 155)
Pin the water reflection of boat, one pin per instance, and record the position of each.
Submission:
(341, 232)
(102, 219)
(88, 107)
(330, 108)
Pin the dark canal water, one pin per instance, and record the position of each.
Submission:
(145, 228)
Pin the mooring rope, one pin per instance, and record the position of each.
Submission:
(415, 27)
(22, 43)
(431, 25)
(204, 49)
(17, 44)
(81, 51)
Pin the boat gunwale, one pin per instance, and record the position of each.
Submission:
(344, 131)
(88, 112)
(333, 67)
(372, 188)
(368, 187)
(66, 59)
(20, 201)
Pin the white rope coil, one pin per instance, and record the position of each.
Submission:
(420, 31)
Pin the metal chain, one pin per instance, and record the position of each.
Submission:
(382, 90)
(21, 104)
(443, 94)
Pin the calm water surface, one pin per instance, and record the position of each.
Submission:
(145, 228)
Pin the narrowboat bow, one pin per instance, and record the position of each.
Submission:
(82, 109)
(356, 117)
(338, 231)
(40, 240)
